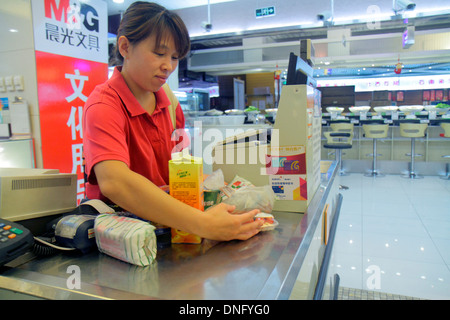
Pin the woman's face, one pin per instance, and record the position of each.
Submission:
(146, 66)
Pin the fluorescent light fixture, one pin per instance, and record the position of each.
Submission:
(118, 1)
(13, 30)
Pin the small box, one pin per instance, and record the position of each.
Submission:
(186, 185)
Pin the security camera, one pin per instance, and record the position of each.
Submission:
(207, 26)
(324, 16)
(403, 5)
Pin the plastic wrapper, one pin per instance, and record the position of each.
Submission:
(235, 184)
(251, 197)
(214, 181)
(269, 221)
(130, 240)
(239, 183)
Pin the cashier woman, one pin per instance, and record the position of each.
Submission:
(127, 130)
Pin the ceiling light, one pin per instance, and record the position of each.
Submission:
(13, 30)
(118, 1)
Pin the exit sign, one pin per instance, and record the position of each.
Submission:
(265, 12)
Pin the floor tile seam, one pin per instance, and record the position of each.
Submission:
(403, 227)
(438, 250)
(415, 210)
(365, 220)
(396, 261)
(410, 217)
(441, 238)
(359, 201)
(405, 259)
(406, 274)
(421, 219)
(392, 200)
(433, 236)
(435, 219)
(397, 234)
(425, 240)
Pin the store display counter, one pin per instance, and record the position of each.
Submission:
(266, 266)
(394, 147)
(392, 118)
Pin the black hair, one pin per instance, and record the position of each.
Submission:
(144, 19)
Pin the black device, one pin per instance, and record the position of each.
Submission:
(299, 72)
(76, 231)
(15, 240)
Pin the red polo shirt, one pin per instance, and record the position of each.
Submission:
(116, 127)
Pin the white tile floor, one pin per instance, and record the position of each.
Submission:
(394, 236)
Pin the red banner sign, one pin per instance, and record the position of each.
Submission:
(64, 83)
(70, 38)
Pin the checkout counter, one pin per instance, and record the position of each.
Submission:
(268, 266)
(294, 257)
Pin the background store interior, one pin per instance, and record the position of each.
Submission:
(359, 40)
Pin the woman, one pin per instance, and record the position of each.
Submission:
(127, 130)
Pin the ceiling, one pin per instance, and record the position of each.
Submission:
(115, 8)
(234, 20)
(342, 8)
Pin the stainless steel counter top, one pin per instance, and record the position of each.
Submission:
(263, 267)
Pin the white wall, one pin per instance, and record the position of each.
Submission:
(17, 57)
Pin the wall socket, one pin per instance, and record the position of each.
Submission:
(18, 82)
(9, 83)
(2, 85)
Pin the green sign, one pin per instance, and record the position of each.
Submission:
(265, 12)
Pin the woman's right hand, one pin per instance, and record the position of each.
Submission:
(219, 223)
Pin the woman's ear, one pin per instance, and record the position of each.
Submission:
(123, 45)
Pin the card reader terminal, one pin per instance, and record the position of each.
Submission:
(15, 240)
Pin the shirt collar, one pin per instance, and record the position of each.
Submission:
(117, 82)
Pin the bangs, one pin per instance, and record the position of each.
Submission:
(166, 26)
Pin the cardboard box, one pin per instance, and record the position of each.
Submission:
(290, 163)
(186, 185)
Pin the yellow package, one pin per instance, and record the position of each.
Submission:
(186, 185)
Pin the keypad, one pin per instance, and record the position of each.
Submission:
(7, 232)
(15, 240)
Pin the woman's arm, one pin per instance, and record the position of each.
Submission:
(140, 196)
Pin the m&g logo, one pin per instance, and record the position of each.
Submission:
(72, 12)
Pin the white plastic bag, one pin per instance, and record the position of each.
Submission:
(251, 197)
(215, 181)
